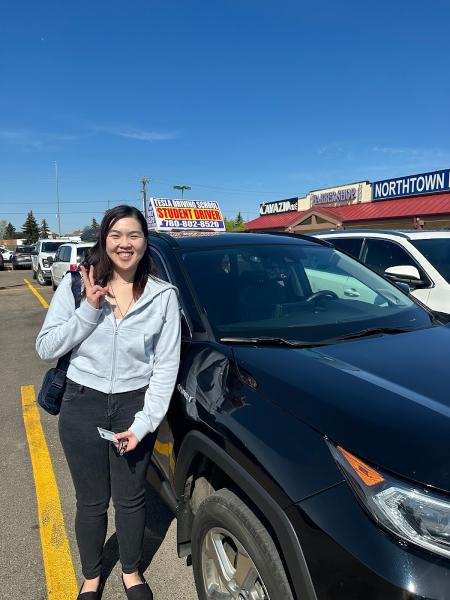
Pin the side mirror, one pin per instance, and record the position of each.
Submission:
(405, 274)
(49, 260)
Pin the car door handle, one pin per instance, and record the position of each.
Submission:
(351, 292)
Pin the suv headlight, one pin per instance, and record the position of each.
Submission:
(414, 514)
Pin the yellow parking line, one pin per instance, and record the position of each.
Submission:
(36, 293)
(59, 570)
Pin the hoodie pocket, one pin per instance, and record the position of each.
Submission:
(134, 355)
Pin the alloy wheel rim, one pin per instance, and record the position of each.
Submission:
(228, 571)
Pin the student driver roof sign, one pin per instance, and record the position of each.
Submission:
(196, 215)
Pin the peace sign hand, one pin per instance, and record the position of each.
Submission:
(95, 294)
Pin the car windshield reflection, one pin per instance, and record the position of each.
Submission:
(305, 292)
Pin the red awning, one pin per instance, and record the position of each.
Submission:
(420, 206)
(274, 221)
(390, 209)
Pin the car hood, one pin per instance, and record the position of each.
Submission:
(384, 398)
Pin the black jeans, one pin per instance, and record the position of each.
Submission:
(100, 473)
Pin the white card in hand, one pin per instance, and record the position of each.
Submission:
(107, 435)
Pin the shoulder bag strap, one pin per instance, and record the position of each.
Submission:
(64, 361)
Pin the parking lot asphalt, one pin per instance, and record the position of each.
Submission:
(26, 573)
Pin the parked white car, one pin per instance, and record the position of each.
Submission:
(419, 258)
(7, 254)
(67, 258)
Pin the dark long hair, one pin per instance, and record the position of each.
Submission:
(103, 266)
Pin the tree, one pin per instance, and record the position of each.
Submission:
(2, 228)
(89, 234)
(44, 230)
(30, 229)
(94, 224)
(236, 224)
(10, 232)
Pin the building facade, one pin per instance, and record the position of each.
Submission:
(409, 202)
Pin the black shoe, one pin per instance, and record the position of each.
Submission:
(92, 595)
(141, 591)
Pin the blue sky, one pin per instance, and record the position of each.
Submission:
(244, 100)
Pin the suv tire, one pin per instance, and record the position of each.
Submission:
(40, 278)
(227, 534)
(53, 285)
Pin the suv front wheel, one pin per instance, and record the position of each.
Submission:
(40, 278)
(233, 555)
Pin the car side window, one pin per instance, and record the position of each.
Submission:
(351, 245)
(65, 254)
(186, 332)
(379, 255)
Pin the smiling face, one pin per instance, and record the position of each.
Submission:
(125, 245)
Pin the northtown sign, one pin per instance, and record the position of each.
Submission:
(412, 185)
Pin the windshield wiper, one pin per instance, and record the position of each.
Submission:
(278, 341)
(270, 341)
(374, 331)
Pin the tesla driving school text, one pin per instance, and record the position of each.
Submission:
(167, 213)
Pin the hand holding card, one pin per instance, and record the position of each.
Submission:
(108, 435)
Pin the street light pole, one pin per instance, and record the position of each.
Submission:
(182, 188)
(58, 215)
(144, 182)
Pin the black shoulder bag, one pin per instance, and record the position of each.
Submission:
(52, 389)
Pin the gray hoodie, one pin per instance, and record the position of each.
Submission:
(143, 348)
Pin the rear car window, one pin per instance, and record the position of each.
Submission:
(81, 253)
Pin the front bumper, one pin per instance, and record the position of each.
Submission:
(350, 557)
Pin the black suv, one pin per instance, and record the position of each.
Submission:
(306, 448)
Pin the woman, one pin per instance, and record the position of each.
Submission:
(125, 342)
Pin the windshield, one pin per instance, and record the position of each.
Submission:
(51, 246)
(437, 252)
(24, 249)
(295, 292)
